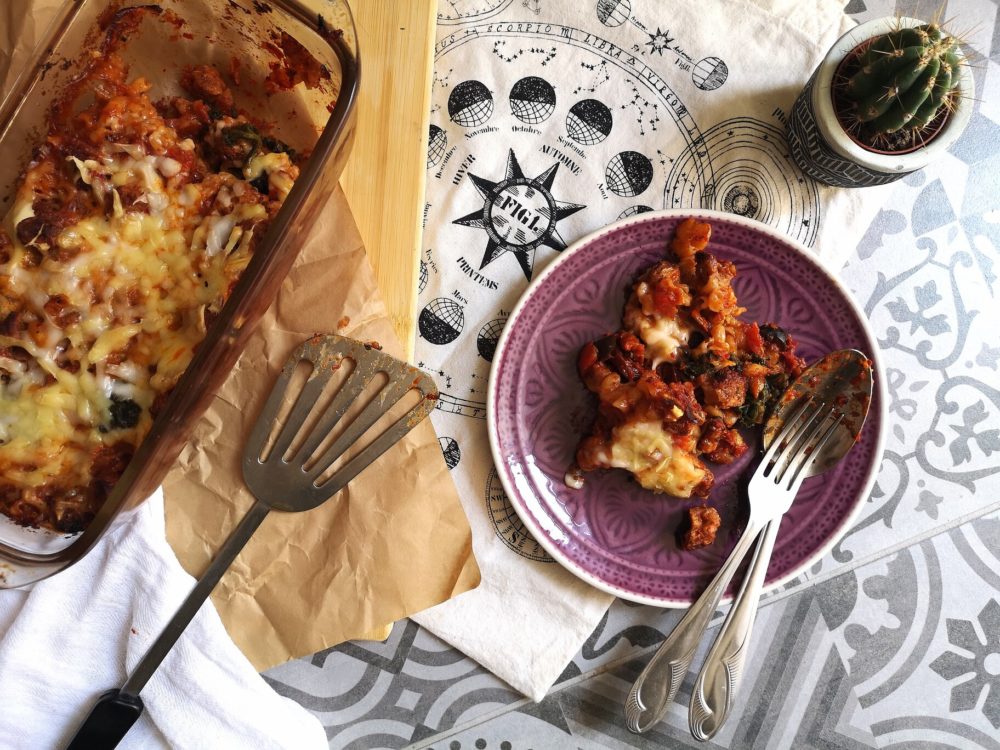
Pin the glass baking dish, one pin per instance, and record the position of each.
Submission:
(241, 35)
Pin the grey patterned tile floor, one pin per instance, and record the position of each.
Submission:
(902, 648)
(890, 641)
(902, 651)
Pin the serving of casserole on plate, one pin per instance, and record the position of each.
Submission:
(609, 529)
(162, 159)
(682, 375)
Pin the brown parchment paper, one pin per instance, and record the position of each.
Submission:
(395, 541)
(392, 543)
(22, 23)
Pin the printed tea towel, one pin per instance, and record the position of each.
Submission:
(550, 119)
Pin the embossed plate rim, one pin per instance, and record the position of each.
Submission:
(533, 524)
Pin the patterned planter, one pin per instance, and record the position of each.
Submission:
(825, 152)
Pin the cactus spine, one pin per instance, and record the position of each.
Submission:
(903, 80)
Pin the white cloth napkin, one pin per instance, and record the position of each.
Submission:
(550, 119)
(66, 640)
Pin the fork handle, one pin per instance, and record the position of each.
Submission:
(719, 679)
(658, 683)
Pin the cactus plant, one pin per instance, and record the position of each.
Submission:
(893, 94)
(890, 96)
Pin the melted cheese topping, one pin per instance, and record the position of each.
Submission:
(662, 336)
(658, 463)
(137, 281)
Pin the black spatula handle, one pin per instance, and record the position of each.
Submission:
(117, 710)
(109, 722)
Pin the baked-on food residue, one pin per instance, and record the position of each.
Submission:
(129, 229)
(703, 524)
(682, 374)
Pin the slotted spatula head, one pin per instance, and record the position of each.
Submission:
(289, 470)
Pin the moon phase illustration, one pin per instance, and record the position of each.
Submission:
(613, 12)
(532, 100)
(441, 321)
(450, 450)
(589, 122)
(628, 173)
(470, 104)
(634, 211)
(709, 73)
(437, 142)
(489, 335)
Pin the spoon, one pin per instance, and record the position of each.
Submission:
(843, 379)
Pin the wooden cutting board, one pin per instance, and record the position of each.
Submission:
(384, 178)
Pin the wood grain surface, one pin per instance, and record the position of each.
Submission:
(384, 179)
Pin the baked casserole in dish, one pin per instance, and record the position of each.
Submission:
(163, 160)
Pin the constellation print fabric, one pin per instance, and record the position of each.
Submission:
(551, 119)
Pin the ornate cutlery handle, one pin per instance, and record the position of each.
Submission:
(719, 678)
(659, 682)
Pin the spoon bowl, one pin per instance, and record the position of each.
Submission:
(843, 379)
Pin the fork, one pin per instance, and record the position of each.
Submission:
(774, 482)
(771, 490)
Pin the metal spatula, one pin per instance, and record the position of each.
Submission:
(287, 466)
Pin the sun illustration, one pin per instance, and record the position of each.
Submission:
(659, 41)
(518, 214)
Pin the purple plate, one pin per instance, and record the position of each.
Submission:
(612, 533)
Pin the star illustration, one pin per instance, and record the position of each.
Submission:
(518, 214)
(659, 41)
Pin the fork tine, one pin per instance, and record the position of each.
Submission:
(793, 439)
(318, 379)
(805, 458)
(789, 425)
(361, 461)
(797, 443)
(383, 401)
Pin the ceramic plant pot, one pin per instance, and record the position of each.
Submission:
(826, 152)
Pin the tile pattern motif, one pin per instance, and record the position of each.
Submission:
(892, 640)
